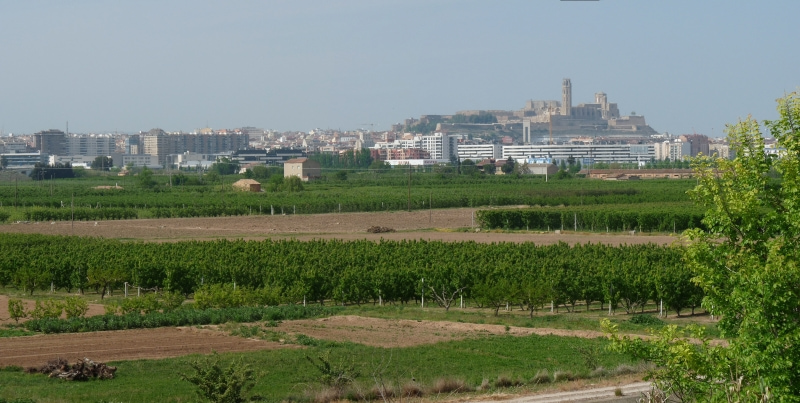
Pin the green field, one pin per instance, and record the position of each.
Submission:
(287, 375)
(356, 274)
(361, 191)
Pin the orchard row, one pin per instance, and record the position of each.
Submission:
(356, 272)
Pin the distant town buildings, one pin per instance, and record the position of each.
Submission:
(543, 129)
(161, 144)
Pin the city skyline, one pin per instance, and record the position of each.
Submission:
(133, 66)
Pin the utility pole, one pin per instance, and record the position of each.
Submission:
(409, 186)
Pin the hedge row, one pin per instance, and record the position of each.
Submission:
(594, 218)
(80, 214)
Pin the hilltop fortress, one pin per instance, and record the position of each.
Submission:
(600, 120)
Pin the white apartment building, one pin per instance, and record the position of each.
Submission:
(674, 150)
(137, 160)
(479, 152)
(586, 153)
(90, 145)
(440, 146)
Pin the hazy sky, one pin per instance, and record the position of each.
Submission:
(297, 65)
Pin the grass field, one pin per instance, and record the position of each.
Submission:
(287, 375)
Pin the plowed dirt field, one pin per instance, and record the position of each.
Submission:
(428, 225)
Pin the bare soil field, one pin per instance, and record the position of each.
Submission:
(123, 345)
(428, 225)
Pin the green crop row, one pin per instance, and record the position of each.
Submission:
(357, 193)
(79, 214)
(640, 217)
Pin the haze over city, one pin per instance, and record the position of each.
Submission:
(180, 65)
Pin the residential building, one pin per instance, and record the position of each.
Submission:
(699, 144)
(157, 142)
(585, 153)
(384, 154)
(53, 142)
(479, 152)
(302, 168)
(674, 150)
(90, 145)
(440, 146)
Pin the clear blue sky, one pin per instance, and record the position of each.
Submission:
(298, 65)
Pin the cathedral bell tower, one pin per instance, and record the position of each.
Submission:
(566, 97)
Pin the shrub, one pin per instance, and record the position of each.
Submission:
(412, 389)
(598, 372)
(75, 307)
(485, 385)
(381, 392)
(646, 320)
(217, 384)
(503, 382)
(541, 377)
(449, 385)
(327, 395)
(624, 369)
(562, 376)
(590, 356)
(111, 308)
(47, 309)
(336, 375)
(171, 301)
(16, 308)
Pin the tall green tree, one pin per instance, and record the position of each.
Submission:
(145, 178)
(225, 166)
(102, 163)
(509, 166)
(747, 262)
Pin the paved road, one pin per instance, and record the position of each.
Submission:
(630, 392)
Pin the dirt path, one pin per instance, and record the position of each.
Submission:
(429, 225)
(407, 333)
(629, 393)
